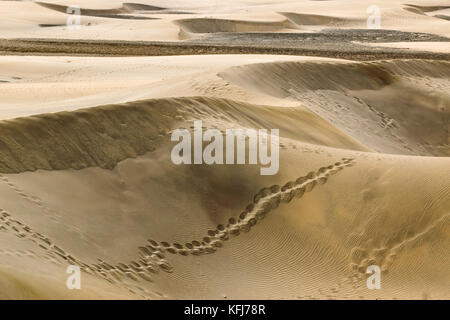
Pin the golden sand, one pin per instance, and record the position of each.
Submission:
(86, 177)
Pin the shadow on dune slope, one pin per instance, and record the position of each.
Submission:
(123, 12)
(103, 136)
(387, 105)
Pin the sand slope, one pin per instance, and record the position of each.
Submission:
(392, 98)
(330, 225)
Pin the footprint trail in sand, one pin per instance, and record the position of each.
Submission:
(152, 256)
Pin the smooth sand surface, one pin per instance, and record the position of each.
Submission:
(86, 176)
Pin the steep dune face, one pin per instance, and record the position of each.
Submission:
(37, 85)
(105, 135)
(314, 19)
(434, 11)
(427, 8)
(192, 27)
(205, 25)
(118, 13)
(392, 98)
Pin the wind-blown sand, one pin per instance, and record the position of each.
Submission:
(86, 176)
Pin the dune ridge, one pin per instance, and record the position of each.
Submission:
(427, 8)
(103, 136)
(340, 76)
(343, 92)
(118, 13)
(314, 19)
(189, 28)
(209, 25)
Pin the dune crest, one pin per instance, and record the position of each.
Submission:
(190, 27)
(314, 19)
(378, 94)
(103, 136)
(118, 13)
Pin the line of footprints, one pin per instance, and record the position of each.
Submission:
(152, 257)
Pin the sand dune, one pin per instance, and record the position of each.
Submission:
(431, 10)
(21, 19)
(428, 8)
(87, 178)
(313, 19)
(374, 95)
(219, 25)
(119, 13)
(205, 25)
(110, 134)
(293, 22)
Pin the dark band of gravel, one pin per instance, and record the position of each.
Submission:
(331, 49)
(327, 35)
